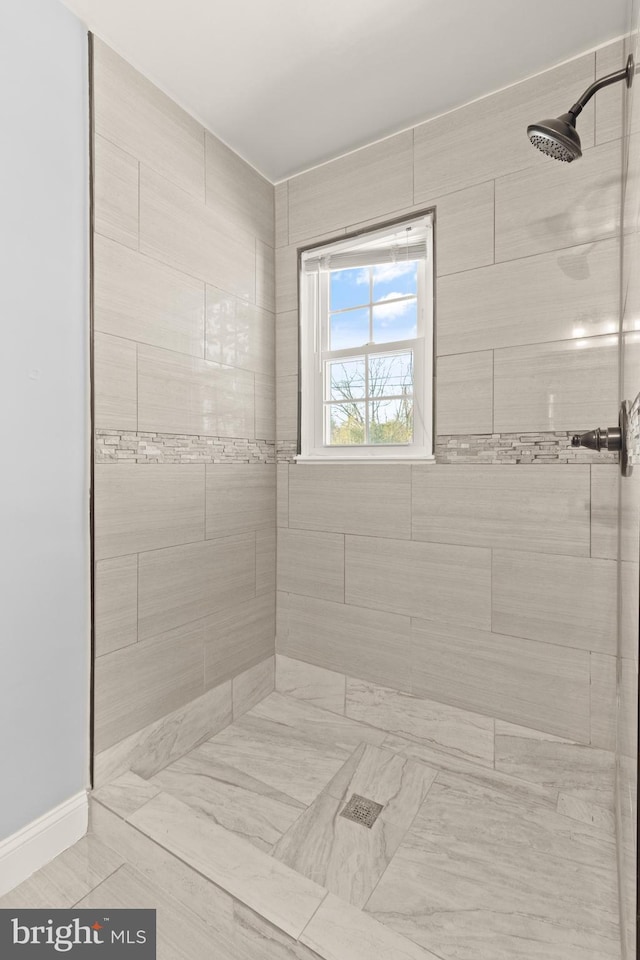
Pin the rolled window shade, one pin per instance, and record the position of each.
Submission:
(352, 259)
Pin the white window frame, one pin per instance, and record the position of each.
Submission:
(315, 355)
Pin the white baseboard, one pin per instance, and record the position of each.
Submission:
(41, 840)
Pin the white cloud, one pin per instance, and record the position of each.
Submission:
(386, 272)
(391, 311)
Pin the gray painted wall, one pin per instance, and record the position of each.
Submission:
(44, 417)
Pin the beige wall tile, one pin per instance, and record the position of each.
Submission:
(539, 685)
(252, 686)
(147, 506)
(603, 701)
(609, 103)
(238, 636)
(286, 261)
(114, 380)
(553, 296)
(287, 344)
(557, 386)
(116, 604)
(131, 112)
(115, 193)
(311, 563)
(322, 688)
(238, 192)
(287, 408)
(180, 394)
(265, 276)
(628, 708)
(282, 496)
(351, 498)
(571, 601)
(265, 408)
(434, 580)
(282, 213)
(187, 583)
(605, 480)
(239, 334)
(630, 516)
(464, 393)
(141, 683)
(558, 205)
(144, 300)
(365, 643)
(629, 610)
(464, 229)
(265, 561)
(363, 184)
(184, 233)
(241, 497)
(543, 507)
(476, 142)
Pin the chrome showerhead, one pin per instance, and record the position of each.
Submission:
(557, 138)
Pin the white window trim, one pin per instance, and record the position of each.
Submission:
(312, 360)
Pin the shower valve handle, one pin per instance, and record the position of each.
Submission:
(608, 438)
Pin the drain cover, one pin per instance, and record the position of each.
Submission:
(362, 810)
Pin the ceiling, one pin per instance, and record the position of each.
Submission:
(291, 83)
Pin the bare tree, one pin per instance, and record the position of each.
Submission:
(386, 386)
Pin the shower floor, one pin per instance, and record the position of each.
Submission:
(493, 841)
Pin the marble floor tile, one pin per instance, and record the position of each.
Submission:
(319, 725)
(339, 931)
(582, 772)
(322, 688)
(484, 875)
(256, 879)
(231, 798)
(254, 938)
(126, 794)
(438, 725)
(598, 819)
(66, 879)
(179, 931)
(346, 857)
(524, 789)
(286, 759)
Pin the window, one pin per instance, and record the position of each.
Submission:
(366, 325)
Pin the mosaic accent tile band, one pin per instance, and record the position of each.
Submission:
(124, 446)
(498, 448)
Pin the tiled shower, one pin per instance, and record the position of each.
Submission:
(460, 635)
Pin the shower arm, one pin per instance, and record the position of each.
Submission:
(625, 74)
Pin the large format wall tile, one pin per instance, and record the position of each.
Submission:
(606, 500)
(240, 497)
(565, 294)
(282, 214)
(558, 205)
(144, 300)
(464, 393)
(251, 686)
(141, 683)
(603, 701)
(321, 688)
(180, 394)
(238, 192)
(265, 561)
(147, 506)
(115, 193)
(237, 637)
(351, 498)
(287, 408)
(282, 495)
(311, 563)
(609, 104)
(431, 580)
(477, 142)
(287, 344)
(534, 684)
(239, 334)
(114, 383)
(464, 229)
(265, 276)
(193, 581)
(265, 408)
(116, 604)
(571, 601)
(361, 643)
(557, 386)
(184, 233)
(537, 507)
(372, 181)
(131, 112)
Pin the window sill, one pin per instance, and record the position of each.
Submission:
(412, 461)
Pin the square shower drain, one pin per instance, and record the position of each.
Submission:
(362, 810)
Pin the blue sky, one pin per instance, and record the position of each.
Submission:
(391, 321)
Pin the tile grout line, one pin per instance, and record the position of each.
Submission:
(124, 863)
